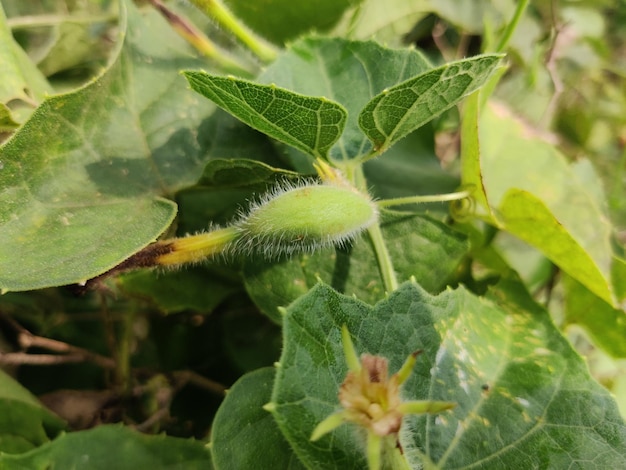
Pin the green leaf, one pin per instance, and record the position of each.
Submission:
(348, 72)
(79, 181)
(436, 252)
(282, 20)
(48, 244)
(524, 397)
(527, 217)
(539, 198)
(605, 324)
(242, 173)
(196, 288)
(244, 435)
(24, 422)
(103, 446)
(401, 109)
(307, 123)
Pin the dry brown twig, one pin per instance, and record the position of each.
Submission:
(67, 353)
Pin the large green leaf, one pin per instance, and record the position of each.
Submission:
(435, 254)
(107, 447)
(244, 435)
(524, 398)
(537, 196)
(307, 123)
(348, 72)
(79, 181)
(24, 422)
(399, 110)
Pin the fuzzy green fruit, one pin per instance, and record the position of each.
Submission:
(305, 218)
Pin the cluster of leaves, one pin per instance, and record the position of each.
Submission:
(106, 147)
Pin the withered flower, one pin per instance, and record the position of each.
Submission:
(371, 399)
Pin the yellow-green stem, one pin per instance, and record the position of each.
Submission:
(218, 11)
(420, 199)
(374, 450)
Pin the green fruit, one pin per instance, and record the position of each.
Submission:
(305, 218)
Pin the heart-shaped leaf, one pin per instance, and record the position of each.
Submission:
(524, 398)
(348, 72)
(401, 109)
(310, 124)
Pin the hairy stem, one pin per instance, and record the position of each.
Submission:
(394, 459)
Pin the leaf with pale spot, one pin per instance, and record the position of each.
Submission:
(524, 398)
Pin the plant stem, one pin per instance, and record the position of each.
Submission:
(199, 40)
(419, 199)
(197, 247)
(217, 10)
(385, 265)
(384, 260)
(510, 28)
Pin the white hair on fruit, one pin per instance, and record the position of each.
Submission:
(303, 217)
